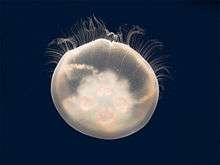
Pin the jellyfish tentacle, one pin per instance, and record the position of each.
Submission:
(134, 31)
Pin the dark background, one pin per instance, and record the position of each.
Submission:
(185, 126)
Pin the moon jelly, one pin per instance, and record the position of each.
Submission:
(101, 86)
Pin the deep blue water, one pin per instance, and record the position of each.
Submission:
(185, 126)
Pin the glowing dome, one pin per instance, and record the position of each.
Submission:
(104, 89)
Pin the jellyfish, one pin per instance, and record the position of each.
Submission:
(105, 85)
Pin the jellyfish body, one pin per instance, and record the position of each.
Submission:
(104, 89)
